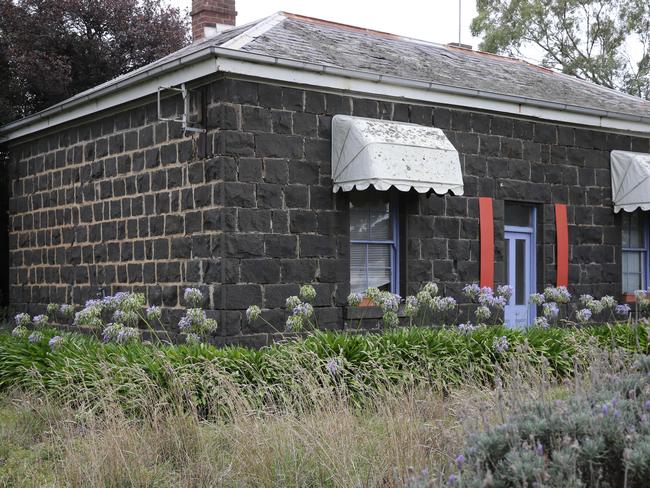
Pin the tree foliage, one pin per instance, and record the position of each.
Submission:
(603, 41)
(52, 49)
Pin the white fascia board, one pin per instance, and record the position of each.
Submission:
(337, 79)
(135, 90)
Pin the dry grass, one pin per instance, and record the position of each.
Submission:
(331, 446)
(331, 443)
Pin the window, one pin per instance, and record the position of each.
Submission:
(635, 251)
(374, 238)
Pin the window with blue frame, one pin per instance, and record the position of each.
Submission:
(635, 251)
(374, 241)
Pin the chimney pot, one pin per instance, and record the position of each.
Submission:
(210, 17)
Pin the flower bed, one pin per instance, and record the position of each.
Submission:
(79, 368)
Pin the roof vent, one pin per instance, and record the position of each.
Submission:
(209, 17)
(460, 45)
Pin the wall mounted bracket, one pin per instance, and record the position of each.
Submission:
(185, 119)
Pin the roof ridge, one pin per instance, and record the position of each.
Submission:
(256, 29)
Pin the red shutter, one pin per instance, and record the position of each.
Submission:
(562, 233)
(486, 219)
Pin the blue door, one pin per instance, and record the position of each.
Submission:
(520, 263)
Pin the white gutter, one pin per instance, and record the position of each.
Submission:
(210, 60)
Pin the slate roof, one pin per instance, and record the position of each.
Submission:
(312, 40)
(306, 39)
(318, 42)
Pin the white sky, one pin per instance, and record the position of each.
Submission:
(430, 20)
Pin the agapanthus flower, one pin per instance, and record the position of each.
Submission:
(482, 313)
(485, 296)
(55, 342)
(498, 302)
(292, 302)
(444, 304)
(192, 338)
(35, 337)
(388, 301)
(431, 288)
(41, 320)
(640, 295)
(585, 299)
(595, 306)
(23, 319)
(354, 299)
(505, 291)
(466, 327)
(472, 290)
(253, 313)
(110, 332)
(390, 318)
(89, 317)
(460, 460)
(153, 313)
(127, 334)
(411, 306)
(119, 316)
(332, 366)
(622, 309)
(67, 310)
(53, 309)
(373, 293)
(294, 323)
(95, 303)
(536, 298)
(608, 301)
(558, 294)
(307, 293)
(20, 331)
(452, 479)
(424, 298)
(646, 405)
(500, 344)
(305, 310)
(551, 310)
(583, 315)
(193, 297)
(541, 322)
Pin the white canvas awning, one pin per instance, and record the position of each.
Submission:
(630, 181)
(383, 154)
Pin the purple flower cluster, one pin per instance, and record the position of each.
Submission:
(41, 320)
(551, 310)
(500, 344)
(583, 315)
(55, 342)
(472, 291)
(622, 310)
(332, 366)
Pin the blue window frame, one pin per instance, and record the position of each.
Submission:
(635, 251)
(374, 241)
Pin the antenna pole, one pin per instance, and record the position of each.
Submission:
(459, 17)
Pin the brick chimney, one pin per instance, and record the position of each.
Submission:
(212, 16)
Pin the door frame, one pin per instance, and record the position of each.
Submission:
(531, 232)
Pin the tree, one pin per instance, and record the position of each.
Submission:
(53, 49)
(603, 41)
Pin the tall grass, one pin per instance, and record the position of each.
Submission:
(321, 439)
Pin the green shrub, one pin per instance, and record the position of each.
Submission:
(599, 435)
